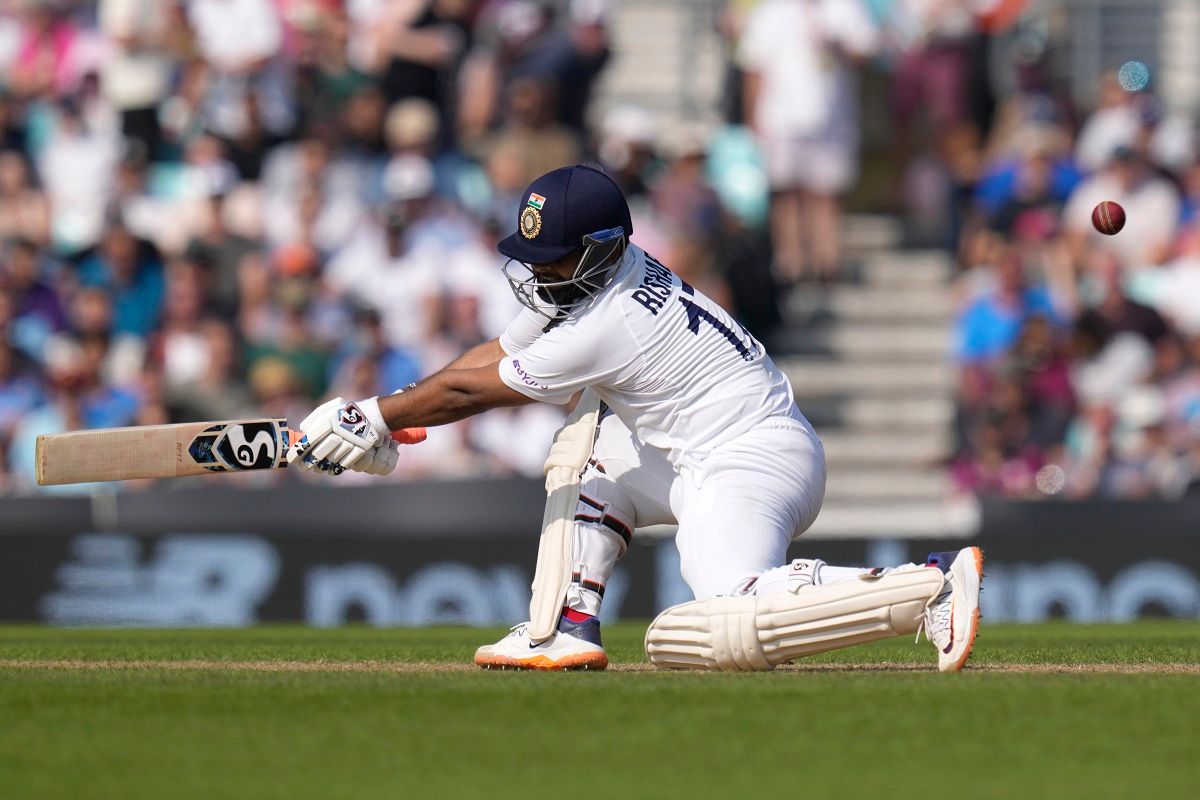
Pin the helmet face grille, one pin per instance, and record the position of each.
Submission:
(568, 298)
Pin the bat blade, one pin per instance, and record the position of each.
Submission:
(161, 451)
(171, 451)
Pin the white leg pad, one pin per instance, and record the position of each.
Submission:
(568, 456)
(751, 633)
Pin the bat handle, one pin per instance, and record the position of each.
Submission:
(402, 436)
(410, 435)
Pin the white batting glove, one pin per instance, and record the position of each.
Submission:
(339, 435)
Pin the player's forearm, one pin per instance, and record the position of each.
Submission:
(481, 355)
(448, 396)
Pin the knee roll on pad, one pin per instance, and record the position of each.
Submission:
(751, 633)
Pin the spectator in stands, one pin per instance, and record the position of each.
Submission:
(362, 126)
(531, 130)
(932, 74)
(1113, 312)
(326, 71)
(12, 129)
(218, 248)
(74, 167)
(387, 252)
(20, 389)
(626, 149)
(182, 115)
(216, 390)
(418, 48)
(36, 306)
(1021, 196)
(276, 388)
(990, 325)
(292, 345)
(91, 316)
(82, 371)
(473, 269)
(1039, 363)
(801, 100)
(130, 272)
(50, 54)
(688, 213)
(1125, 118)
(24, 210)
(137, 75)
(181, 342)
(247, 149)
(682, 199)
(146, 213)
(1091, 466)
(412, 127)
(572, 58)
(507, 34)
(1177, 295)
(241, 41)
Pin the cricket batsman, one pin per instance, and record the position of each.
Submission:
(694, 425)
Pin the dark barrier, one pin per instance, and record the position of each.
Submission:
(463, 553)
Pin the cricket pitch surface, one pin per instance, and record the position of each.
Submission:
(291, 712)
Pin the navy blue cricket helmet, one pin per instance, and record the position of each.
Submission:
(565, 210)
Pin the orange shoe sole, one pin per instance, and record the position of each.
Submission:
(958, 665)
(596, 661)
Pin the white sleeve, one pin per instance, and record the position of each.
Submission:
(568, 358)
(522, 331)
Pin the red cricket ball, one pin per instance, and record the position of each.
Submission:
(1108, 217)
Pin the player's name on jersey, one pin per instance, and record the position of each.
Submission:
(655, 288)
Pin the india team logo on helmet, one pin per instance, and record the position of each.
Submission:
(531, 222)
(531, 217)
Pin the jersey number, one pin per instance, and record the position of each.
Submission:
(697, 313)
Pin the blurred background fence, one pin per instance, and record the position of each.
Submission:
(893, 194)
(227, 557)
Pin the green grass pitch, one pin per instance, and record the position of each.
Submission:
(286, 712)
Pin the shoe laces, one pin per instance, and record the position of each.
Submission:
(935, 623)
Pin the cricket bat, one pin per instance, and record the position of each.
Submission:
(171, 451)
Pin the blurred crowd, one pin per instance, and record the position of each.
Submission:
(234, 208)
(215, 209)
(1079, 352)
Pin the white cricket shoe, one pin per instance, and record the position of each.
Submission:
(952, 619)
(576, 645)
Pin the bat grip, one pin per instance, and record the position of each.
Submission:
(410, 435)
(402, 436)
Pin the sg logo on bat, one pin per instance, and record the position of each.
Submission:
(241, 446)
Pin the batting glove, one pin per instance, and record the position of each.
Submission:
(339, 435)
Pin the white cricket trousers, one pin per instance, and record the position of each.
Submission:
(737, 510)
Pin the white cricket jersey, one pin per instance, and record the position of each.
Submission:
(672, 364)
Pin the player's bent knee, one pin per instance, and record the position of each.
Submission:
(752, 633)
